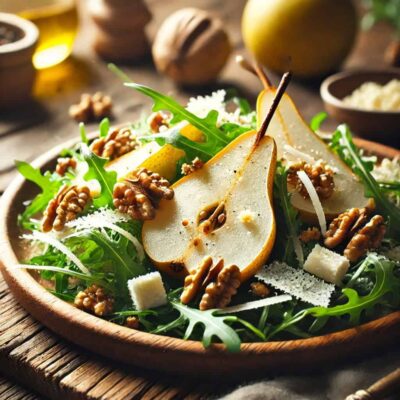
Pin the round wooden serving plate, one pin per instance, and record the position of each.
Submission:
(161, 352)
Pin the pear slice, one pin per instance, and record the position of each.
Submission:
(287, 127)
(160, 159)
(237, 182)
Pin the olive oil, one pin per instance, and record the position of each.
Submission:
(57, 21)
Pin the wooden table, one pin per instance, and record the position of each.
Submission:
(29, 353)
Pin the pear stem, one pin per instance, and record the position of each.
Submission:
(255, 69)
(283, 84)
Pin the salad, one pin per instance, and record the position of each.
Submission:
(218, 223)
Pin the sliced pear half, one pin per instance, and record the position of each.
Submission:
(236, 183)
(288, 128)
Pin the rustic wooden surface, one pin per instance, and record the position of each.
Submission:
(30, 353)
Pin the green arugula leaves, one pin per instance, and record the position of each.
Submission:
(49, 185)
(107, 179)
(342, 144)
(385, 292)
(214, 325)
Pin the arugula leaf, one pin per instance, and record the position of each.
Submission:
(386, 290)
(342, 144)
(49, 184)
(82, 131)
(107, 179)
(162, 102)
(214, 325)
(317, 120)
(290, 215)
(125, 264)
(104, 127)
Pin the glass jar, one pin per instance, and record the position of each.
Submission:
(57, 21)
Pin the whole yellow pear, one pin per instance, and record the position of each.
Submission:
(309, 37)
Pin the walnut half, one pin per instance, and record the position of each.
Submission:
(68, 203)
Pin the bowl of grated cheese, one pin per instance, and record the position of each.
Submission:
(368, 101)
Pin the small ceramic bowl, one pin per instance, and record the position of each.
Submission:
(18, 39)
(377, 125)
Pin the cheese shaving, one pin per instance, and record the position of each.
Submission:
(251, 305)
(107, 218)
(52, 241)
(297, 283)
(314, 200)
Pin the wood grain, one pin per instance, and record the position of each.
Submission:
(151, 351)
(32, 355)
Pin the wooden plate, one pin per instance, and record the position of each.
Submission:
(170, 354)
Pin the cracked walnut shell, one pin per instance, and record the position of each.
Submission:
(68, 203)
(320, 175)
(117, 143)
(95, 300)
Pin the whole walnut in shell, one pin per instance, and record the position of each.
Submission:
(191, 47)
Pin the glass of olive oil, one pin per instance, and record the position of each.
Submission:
(57, 21)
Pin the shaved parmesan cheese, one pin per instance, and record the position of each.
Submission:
(257, 304)
(147, 291)
(107, 218)
(298, 154)
(52, 241)
(297, 283)
(314, 200)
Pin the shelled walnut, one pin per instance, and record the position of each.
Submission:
(219, 294)
(159, 121)
(64, 163)
(117, 143)
(132, 322)
(260, 289)
(368, 237)
(68, 203)
(356, 228)
(320, 175)
(139, 197)
(91, 107)
(188, 169)
(216, 283)
(310, 234)
(95, 300)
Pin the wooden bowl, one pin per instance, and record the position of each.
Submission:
(17, 73)
(378, 125)
(169, 354)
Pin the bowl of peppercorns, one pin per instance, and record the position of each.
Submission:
(18, 39)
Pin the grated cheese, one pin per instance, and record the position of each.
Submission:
(393, 254)
(373, 96)
(297, 283)
(202, 105)
(388, 171)
(314, 200)
(107, 218)
(48, 238)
